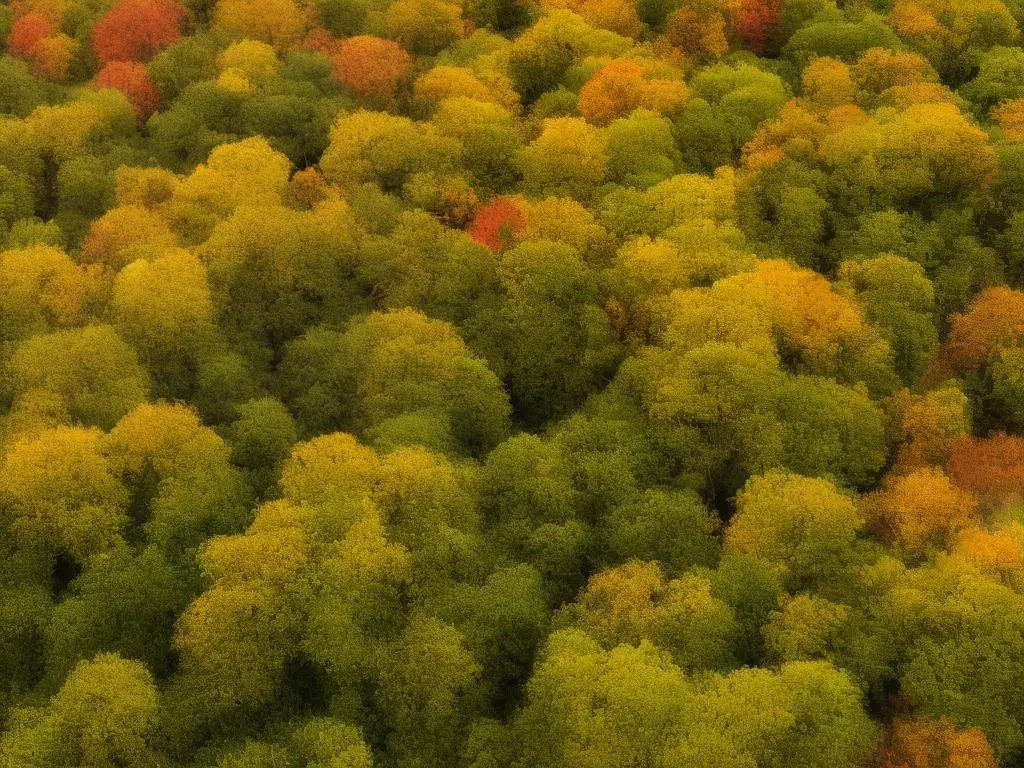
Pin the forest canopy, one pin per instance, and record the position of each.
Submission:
(511, 384)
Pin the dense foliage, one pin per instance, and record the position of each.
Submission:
(511, 383)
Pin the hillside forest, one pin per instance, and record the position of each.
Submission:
(511, 384)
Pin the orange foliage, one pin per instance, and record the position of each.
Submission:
(929, 743)
(26, 32)
(922, 510)
(371, 65)
(811, 318)
(992, 468)
(131, 79)
(994, 319)
(136, 30)
(1010, 116)
(621, 86)
(756, 24)
(32, 39)
(496, 222)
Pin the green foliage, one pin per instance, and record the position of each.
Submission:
(512, 384)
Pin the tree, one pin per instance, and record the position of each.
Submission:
(62, 497)
(372, 67)
(131, 79)
(568, 158)
(633, 603)
(614, 15)
(136, 30)
(426, 682)
(397, 378)
(178, 470)
(805, 627)
(988, 467)
(120, 603)
(42, 289)
(994, 319)
(244, 172)
(539, 58)
(952, 35)
(94, 372)
(624, 85)
(123, 235)
(237, 637)
(965, 670)
(697, 27)
(491, 140)
(256, 60)
(808, 714)
(805, 526)
(757, 24)
(105, 714)
(424, 27)
(831, 431)
(271, 256)
(164, 309)
(899, 299)
(824, 332)
(278, 23)
(25, 34)
(375, 146)
(553, 303)
(923, 510)
(674, 528)
(928, 426)
(261, 439)
(586, 705)
(729, 103)
(644, 169)
(828, 84)
(927, 743)
(495, 223)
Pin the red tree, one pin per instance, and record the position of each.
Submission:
(131, 79)
(992, 468)
(136, 30)
(26, 32)
(757, 24)
(496, 222)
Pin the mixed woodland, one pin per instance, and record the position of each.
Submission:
(512, 384)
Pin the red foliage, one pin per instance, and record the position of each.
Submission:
(26, 32)
(136, 30)
(756, 24)
(131, 79)
(993, 468)
(496, 222)
(371, 66)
